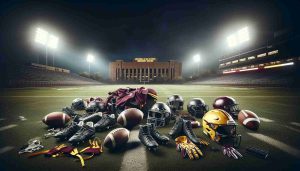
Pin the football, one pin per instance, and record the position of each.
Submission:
(248, 119)
(56, 119)
(116, 138)
(131, 117)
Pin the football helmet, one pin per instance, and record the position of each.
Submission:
(78, 104)
(175, 102)
(95, 105)
(197, 107)
(228, 104)
(220, 127)
(159, 114)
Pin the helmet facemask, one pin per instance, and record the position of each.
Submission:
(233, 110)
(159, 119)
(227, 135)
(199, 111)
(176, 105)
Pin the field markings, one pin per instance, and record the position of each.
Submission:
(265, 119)
(278, 144)
(134, 159)
(293, 129)
(8, 127)
(295, 124)
(6, 149)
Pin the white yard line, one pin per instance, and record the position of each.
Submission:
(265, 119)
(7, 127)
(295, 123)
(6, 149)
(278, 144)
(293, 129)
(134, 159)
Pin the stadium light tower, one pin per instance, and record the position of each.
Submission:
(197, 59)
(90, 59)
(47, 40)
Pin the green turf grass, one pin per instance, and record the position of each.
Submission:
(278, 104)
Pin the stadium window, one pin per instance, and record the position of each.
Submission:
(222, 64)
(228, 63)
(251, 57)
(262, 55)
(273, 52)
(291, 59)
(235, 61)
(261, 65)
(243, 59)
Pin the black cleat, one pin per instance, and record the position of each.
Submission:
(188, 131)
(69, 112)
(69, 131)
(86, 132)
(91, 118)
(146, 138)
(177, 129)
(159, 138)
(106, 122)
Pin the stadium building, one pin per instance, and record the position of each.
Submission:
(145, 70)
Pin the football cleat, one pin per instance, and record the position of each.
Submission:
(69, 131)
(106, 122)
(176, 130)
(159, 138)
(91, 118)
(69, 112)
(146, 138)
(85, 133)
(188, 131)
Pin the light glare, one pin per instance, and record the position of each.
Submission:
(197, 58)
(41, 36)
(243, 35)
(90, 58)
(231, 40)
(52, 42)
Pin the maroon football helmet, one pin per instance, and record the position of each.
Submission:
(228, 104)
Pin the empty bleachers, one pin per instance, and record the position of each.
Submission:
(31, 76)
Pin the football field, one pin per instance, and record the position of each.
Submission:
(279, 132)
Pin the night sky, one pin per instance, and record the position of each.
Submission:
(126, 29)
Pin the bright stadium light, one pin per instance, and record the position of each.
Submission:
(41, 36)
(52, 42)
(231, 40)
(196, 58)
(90, 59)
(243, 35)
(239, 37)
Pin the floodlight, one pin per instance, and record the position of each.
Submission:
(41, 36)
(52, 42)
(90, 58)
(243, 35)
(232, 40)
(196, 58)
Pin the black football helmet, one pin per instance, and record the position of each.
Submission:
(197, 107)
(95, 105)
(78, 104)
(228, 104)
(175, 102)
(159, 114)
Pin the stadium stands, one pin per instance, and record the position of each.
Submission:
(274, 77)
(34, 76)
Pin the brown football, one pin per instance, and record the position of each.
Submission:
(131, 117)
(56, 119)
(116, 138)
(249, 119)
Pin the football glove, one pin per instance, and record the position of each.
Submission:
(231, 152)
(187, 148)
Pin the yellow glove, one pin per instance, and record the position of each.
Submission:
(187, 148)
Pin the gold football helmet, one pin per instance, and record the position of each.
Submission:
(220, 127)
